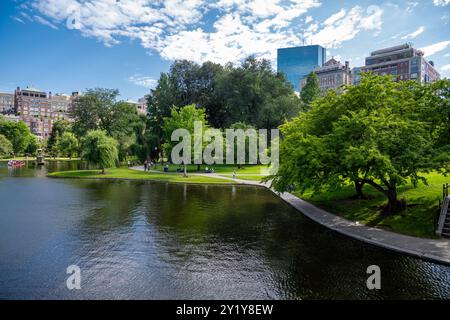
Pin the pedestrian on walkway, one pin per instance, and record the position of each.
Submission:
(234, 174)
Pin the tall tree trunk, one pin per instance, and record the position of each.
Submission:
(198, 167)
(358, 187)
(394, 205)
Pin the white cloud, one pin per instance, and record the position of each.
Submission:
(410, 5)
(414, 34)
(45, 22)
(18, 20)
(143, 81)
(175, 29)
(447, 55)
(445, 67)
(435, 48)
(441, 2)
(343, 26)
(335, 17)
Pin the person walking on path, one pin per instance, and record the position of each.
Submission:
(234, 174)
(145, 165)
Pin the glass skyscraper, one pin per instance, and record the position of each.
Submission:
(297, 62)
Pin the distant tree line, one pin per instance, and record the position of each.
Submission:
(16, 139)
(251, 93)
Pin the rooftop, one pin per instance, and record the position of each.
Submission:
(32, 90)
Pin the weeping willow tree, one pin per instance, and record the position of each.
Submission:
(99, 149)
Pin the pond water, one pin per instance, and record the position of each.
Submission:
(148, 240)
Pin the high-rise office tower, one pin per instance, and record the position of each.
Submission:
(297, 62)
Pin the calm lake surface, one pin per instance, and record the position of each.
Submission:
(147, 240)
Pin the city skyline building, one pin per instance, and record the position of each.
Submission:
(403, 62)
(297, 62)
(34, 108)
(332, 75)
(40, 110)
(142, 105)
(61, 105)
(6, 103)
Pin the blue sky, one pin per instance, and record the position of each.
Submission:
(71, 45)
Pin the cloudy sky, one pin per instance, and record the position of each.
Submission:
(70, 45)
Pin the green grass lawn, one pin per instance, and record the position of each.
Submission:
(247, 172)
(218, 168)
(125, 173)
(416, 220)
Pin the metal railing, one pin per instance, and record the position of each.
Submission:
(439, 224)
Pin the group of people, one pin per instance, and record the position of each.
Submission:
(148, 165)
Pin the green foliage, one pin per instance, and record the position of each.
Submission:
(18, 134)
(98, 109)
(182, 118)
(435, 107)
(6, 147)
(99, 149)
(372, 134)
(251, 92)
(311, 90)
(58, 129)
(94, 110)
(55, 147)
(33, 145)
(68, 144)
(125, 124)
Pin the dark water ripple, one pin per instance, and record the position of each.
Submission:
(138, 240)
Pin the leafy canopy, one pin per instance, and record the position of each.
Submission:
(99, 149)
(6, 147)
(377, 132)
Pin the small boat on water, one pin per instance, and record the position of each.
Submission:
(16, 163)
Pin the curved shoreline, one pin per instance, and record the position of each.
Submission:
(433, 250)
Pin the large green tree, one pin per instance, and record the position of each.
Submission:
(18, 134)
(68, 144)
(125, 124)
(94, 110)
(99, 109)
(99, 149)
(59, 127)
(371, 134)
(251, 92)
(255, 94)
(183, 118)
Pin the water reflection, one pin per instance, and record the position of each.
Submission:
(159, 240)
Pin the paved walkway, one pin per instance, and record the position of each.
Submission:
(428, 249)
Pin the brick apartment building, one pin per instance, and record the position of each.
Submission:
(403, 62)
(40, 110)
